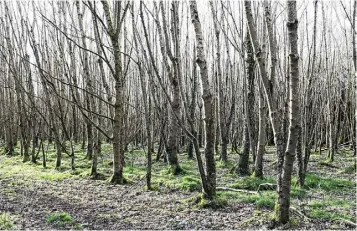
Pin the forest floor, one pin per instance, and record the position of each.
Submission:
(33, 197)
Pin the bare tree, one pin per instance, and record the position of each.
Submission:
(208, 102)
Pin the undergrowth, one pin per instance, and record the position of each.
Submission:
(327, 207)
(62, 219)
(6, 222)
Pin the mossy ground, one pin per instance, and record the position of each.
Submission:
(62, 220)
(6, 221)
(322, 199)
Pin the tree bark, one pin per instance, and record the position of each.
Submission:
(283, 203)
(119, 116)
(250, 100)
(258, 166)
(208, 103)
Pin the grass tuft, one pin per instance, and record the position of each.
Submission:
(60, 218)
(328, 184)
(349, 170)
(190, 183)
(199, 201)
(329, 215)
(297, 192)
(265, 199)
(5, 222)
(251, 183)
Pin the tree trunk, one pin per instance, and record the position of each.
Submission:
(258, 167)
(118, 151)
(119, 116)
(300, 170)
(250, 96)
(174, 133)
(208, 104)
(283, 203)
(243, 164)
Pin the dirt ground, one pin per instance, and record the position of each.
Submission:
(96, 205)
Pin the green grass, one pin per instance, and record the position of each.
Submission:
(328, 184)
(221, 164)
(297, 192)
(315, 204)
(14, 167)
(267, 196)
(189, 167)
(77, 227)
(190, 183)
(216, 203)
(188, 180)
(349, 170)
(180, 182)
(331, 209)
(323, 214)
(251, 183)
(200, 201)
(56, 176)
(134, 172)
(265, 199)
(60, 219)
(5, 222)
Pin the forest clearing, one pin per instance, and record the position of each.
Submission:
(31, 194)
(168, 114)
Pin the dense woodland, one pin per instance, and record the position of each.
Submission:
(242, 109)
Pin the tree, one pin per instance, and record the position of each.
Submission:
(285, 159)
(208, 102)
(114, 30)
(283, 204)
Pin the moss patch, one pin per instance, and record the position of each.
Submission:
(186, 183)
(328, 184)
(14, 167)
(199, 201)
(349, 170)
(6, 222)
(265, 199)
(62, 219)
(251, 183)
(329, 215)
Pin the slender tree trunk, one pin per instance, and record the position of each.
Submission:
(258, 169)
(243, 164)
(88, 79)
(308, 114)
(283, 177)
(193, 108)
(300, 170)
(250, 96)
(283, 203)
(119, 116)
(174, 72)
(208, 104)
(354, 31)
